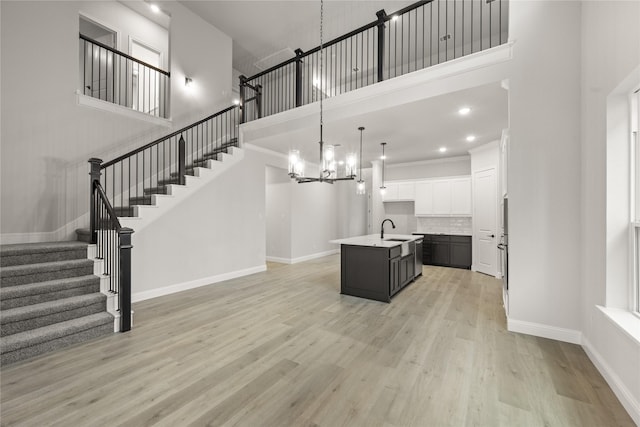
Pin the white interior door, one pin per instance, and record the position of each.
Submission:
(484, 221)
(145, 81)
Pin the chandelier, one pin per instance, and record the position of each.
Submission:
(328, 165)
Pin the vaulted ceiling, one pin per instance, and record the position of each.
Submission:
(260, 29)
(415, 131)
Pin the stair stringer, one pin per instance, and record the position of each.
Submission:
(163, 203)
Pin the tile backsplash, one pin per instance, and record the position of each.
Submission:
(446, 225)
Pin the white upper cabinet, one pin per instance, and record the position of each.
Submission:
(391, 193)
(461, 197)
(424, 198)
(443, 197)
(399, 191)
(406, 191)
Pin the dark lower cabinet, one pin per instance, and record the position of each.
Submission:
(447, 250)
(394, 275)
(375, 273)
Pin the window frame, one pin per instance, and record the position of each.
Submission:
(634, 181)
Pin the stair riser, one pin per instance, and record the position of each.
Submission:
(49, 319)
(28, 352)
(35, 258)
(44, 276)
(7, 303)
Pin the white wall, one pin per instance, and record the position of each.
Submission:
(128, 25)
(544, 169)
(278, 213)
(217, 232)
(47, 138)
(303, 218)
(610, 52)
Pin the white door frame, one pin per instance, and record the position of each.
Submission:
(496, 225)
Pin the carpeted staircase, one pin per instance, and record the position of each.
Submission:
(49, 298)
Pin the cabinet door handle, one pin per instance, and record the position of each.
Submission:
(492, 235)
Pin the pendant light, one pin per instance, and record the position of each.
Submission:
(383, 189)
(328, 164)
(361, 185)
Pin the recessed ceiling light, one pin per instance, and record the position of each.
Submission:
(395, 17)
(383, 157)
(464, 111)
(443, 149)
(236, 101)
(471, 138)
(154, 8)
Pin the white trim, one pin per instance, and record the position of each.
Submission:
(624, 319)
(278, 259)
(66, 232)
(430, 161)
(172, 289)
(545, 331)
(624, 395)
(302, 258)
(89, 101)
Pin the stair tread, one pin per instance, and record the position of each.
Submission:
(48, 286)
(50, 307)
(26, 248)
(26, 269)
(53, 331)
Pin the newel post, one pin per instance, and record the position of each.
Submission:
(94, 175)
(382, 15)
(299, 53)
(124, 293)
(243, 82)
(182, 159)
(259, 100)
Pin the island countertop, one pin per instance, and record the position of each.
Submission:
(375, 240)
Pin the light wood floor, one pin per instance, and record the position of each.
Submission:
(284, 348)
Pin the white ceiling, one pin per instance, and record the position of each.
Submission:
(262, 28)
(413, 131)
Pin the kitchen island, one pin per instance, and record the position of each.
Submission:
(377, 268)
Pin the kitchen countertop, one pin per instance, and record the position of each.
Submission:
(374, 240)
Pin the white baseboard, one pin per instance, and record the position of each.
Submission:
(619, 389)
(66, 232)
(302, 258)
(545, 331)
(172, 289)
(278, 259)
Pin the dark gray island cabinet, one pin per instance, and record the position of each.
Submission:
(377, 270)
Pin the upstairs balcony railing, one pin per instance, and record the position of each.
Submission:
(421, 35)
(118, 78)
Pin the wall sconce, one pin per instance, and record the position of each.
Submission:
(188, 82)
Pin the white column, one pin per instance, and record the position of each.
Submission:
(377, 207)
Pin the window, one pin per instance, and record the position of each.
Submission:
(635, 204)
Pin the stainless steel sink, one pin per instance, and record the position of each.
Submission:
(393, 239)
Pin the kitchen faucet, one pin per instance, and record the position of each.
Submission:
(382, 227)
